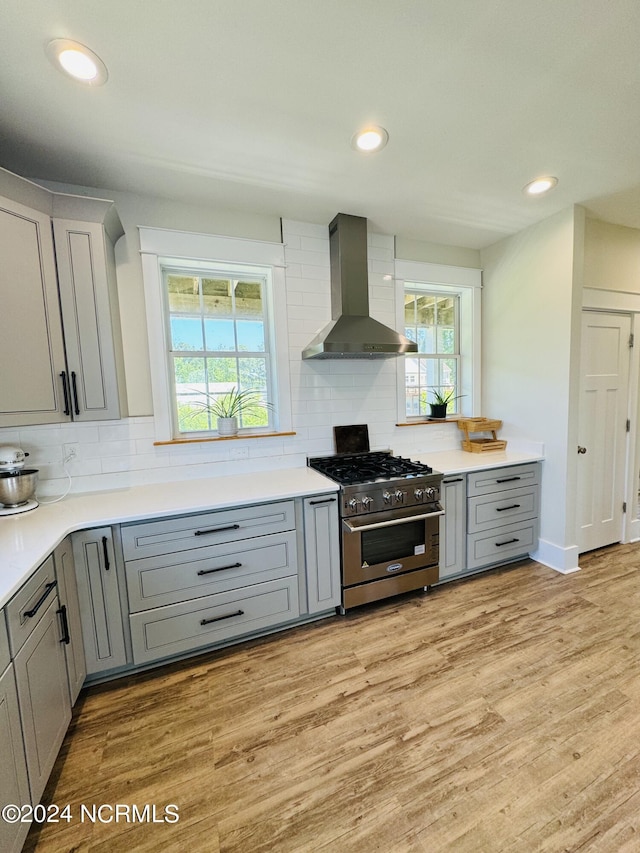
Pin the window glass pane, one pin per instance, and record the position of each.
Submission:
(222, 374)
(186, 333)
(426, 339)
(426, 310)
(446, 339)
(184, 294)
(448, 373)
(250, 335)
(249, 299)
(253, 374)
(409, 309)
(428, 372)
(216, 297)
(410, 332)
(445, 311)
(219, 335)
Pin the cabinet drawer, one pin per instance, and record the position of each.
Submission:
(218, 568)
(152, 538)
(499, 479)
(501, 544)
(177, 628)
(28, 606)
(488, 511)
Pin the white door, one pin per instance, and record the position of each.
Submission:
(602, 448)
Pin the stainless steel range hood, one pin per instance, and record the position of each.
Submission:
(352, 333)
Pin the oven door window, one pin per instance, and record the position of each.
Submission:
(385, 544)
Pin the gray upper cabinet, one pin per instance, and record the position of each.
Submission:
(61, 320)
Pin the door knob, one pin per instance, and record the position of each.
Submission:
(581, 449)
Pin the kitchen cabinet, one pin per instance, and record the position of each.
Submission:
(59, 325)
(14, 783)
(491, 517)
(322, 552)
(199, 580)
(70, 616)
(453, 526)
(97, 574)
(33, 621)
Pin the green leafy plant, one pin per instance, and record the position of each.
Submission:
(443, 399)
(232, 404)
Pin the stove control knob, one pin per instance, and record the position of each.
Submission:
(386, 497)
(399, 495)
(418, 494)
(431, 493)
(366, 502)
(353, 504)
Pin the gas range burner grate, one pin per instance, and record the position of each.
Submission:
(377, 466)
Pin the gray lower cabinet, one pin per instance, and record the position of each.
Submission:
(99, 597)
(14, 783)
(70, 617)
(35, 636)
(491, 517)
(322, 552)
(453, 526)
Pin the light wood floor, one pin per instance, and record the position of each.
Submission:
(501, 713)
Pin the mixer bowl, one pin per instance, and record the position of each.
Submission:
(17, 487)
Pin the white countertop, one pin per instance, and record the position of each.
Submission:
(28, 538)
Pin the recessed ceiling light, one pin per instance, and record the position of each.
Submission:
(370, 139)
(77, 61)
(540, 185)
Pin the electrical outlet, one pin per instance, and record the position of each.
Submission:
(239, 453)
(70, 451)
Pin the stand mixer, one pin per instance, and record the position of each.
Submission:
(17, 483)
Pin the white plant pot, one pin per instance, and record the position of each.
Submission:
(227, 426)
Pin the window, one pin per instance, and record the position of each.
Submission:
(431, 320)
(218, 342)
(440, 307)
(216, 318)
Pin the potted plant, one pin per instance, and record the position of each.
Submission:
(441, 402)
(231, 406)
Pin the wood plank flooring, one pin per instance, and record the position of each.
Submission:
(499, 713)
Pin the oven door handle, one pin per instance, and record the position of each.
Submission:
(359, 528)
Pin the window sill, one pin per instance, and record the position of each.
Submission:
(240, 437)
(452, 419)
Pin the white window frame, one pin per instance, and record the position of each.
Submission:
(161, 247)
(466, 284)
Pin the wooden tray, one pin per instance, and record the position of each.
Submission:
(480, 445)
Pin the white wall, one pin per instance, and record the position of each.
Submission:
(611, 257)
(531, 313)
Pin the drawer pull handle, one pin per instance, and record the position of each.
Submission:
(216, 530)
(507, 479)
(508, 542)
(505, 508)
(74, 388)
(221, 569)
(105, 553)
(41, 600)
(62, 613)
(323, 501)
(456, 480)
(220, 618)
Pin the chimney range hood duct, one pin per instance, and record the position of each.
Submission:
(352, 333)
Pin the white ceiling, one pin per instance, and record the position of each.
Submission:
(251, 104)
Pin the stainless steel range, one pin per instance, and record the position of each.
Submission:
(390, 517)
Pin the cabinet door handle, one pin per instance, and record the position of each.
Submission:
(216, 530)
(221, 569)
(508, 542)
(507, 480)
(65, 391)
(220, 618)
(105, 553)
(62, 613)
(74, 388)
(323, 501)
(457, 480)
(505, 508)
(41, 600)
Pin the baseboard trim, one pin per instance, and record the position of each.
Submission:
(562, 560)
